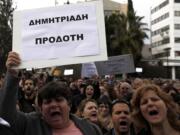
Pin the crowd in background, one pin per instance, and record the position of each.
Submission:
(132, 106)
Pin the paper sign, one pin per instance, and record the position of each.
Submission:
(88, 70)
(116, 65)
(61, 35)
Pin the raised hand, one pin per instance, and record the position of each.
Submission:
(13, 61)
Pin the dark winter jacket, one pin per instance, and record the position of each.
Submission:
(32, 123)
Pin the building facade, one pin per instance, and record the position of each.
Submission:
(113, 7)
(165, 34)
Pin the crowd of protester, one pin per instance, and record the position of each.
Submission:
(91, 106)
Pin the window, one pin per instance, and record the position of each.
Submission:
(177, 40)
(165, 41)
(177, 13)
(163, 4)
(161, 42)
(161, 30)
(164, 16)
(177, 53)
(177, 26)
(177, 1)
(160, 55)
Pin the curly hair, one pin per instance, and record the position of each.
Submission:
(173, 110)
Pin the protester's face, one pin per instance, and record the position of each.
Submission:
(177, 86)
(125, 89)
(40, 83)
(29, 87)
(153, 108)
(72, 86)
(79, 82)
(137, 83)
(116, 90)
(89, 91)
(90, 111)
(102, 89)
(121, 117)
(103, 109)
(56, 112)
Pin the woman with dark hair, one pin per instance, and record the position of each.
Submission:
(53, 100)
(104, 115)
(155, 110)
(87, 93)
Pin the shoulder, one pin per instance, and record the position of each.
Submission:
(109, 132)
(28, 117)
(34, 115)
(6, 130)
(144, 132)
(86, 126)
(96, 128)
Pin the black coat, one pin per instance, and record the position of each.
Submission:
(4, 130)
(132, 132)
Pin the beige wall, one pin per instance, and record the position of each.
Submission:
(113, 7)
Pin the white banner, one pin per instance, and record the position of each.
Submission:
(61, 35)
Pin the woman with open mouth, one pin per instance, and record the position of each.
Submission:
(156, 111)
(88, 109)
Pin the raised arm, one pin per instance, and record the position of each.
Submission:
(8, 94)
(13, 61)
